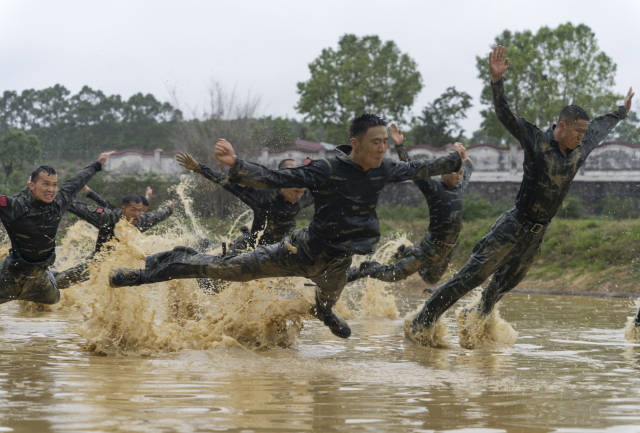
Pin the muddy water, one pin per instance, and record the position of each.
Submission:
(570, 370)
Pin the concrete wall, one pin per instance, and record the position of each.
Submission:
(138, 162)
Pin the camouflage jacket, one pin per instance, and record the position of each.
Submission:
(105, 219)
(547, 172)
(345, 196)
(98, 199)
(272, 214)
(32, 225)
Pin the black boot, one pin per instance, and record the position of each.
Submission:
(637, 321)
(369, 268)
(126, 277)
(335, 323)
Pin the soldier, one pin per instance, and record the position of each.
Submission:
(432, 254)
(274, 210)
(551, 160)
(106, 218)
(31, 219)
(345, 188)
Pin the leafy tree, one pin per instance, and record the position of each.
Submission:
(548, 70)
(629, 130)
(363, 74)
(439, 123)
(16, 149)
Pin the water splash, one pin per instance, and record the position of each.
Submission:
(475, 331)
(432, 336)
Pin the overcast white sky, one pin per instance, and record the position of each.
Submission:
(263, 47)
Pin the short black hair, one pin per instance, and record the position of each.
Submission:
(42, 169)
(282, 162)
(131, 198)
(145, 202)
(571, 113)
(362, 123)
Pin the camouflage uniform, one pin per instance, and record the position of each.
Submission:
(432, 254)
(32, 226)
(508, 249)
(344, 223)
(105, 220)
(272, 214)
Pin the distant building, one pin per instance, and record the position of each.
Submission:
(131, 161)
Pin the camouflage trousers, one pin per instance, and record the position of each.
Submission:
(25, 282)
(71, 276)
(506, 251)
(429, 258)
(296, 255)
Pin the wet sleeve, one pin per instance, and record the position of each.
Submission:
(312, 176)
(98, 199)
(246, 194)
(150, 219)
(71, 187)
(600, 127)
(9, 207)
(467, 169)
(422, 168)
(522, 130)
(402, 152)
(212, 175)
(96, 216)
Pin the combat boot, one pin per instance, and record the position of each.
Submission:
(353, 274)
(126, 277)
(338, 326)
(637, 321)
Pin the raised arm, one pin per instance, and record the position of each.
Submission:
(151, 218)
(398, 140)
(516, 125)
(71, 187)
(601, 126)
(311, 176)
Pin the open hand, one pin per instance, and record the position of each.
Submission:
(627, 99)
(148, 193)
(459, 147)
(396, 135)
(104, 156)
(497, 63)
(224, 152)
(187, 161)
(86, 188)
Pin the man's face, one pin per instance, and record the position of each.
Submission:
(572, 133)
(369, 149)
(45, 187)
(132, 211)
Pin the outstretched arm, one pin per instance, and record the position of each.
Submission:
(601, 126)
(71, 187)
(422, 169)
(150, 219)
(249, 196)
(96, 216)
(398, 140)
(96, 197)
(311, 176)
(467, 169)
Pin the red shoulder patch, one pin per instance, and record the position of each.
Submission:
(3, 200)
(307, 161)
(99, 210)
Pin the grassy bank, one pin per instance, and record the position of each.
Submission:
(588, 255)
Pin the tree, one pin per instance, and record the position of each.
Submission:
(439, 123)
(16, 149)
(548, 70)
(362, 75)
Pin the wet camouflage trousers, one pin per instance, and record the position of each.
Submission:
(297, 258)
(506, 251)
(19, 281)
(429, 258)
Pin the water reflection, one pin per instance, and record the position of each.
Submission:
(571, 370)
